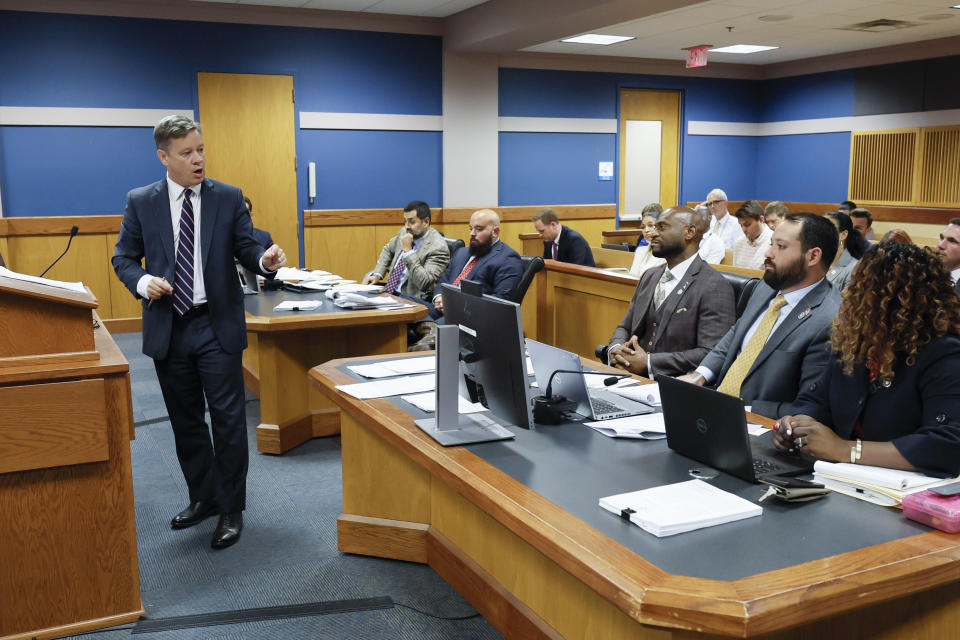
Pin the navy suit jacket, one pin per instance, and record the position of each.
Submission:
(499, 271)
(572, 248)
(263, 238)
(919, 412)
(225, 232)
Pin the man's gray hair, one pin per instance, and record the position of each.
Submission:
(173, 127)
(720, 193)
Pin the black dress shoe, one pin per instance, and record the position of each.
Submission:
(228, 530)
(195, 513)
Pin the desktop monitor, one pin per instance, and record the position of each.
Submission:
(493, 362)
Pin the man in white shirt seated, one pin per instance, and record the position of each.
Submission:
(723, 225)
(949, 250)
(749, 250)
(711, 249)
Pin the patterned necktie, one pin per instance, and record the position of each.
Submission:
(660, 294)
(732, 382)
(467, 268)
(393, 282)
(554, 250)
(183, 277)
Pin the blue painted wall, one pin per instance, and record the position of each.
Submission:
(54, 60)
(806, 168)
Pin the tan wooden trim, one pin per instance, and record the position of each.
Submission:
(744, 271)
(382, 538)
(525, 213)
(622, 233)
(499, 607)
(529, 236)
(325, 422)
(123, 325)
(59, 225)
(48, 359)
(78, 627)
(347, 217)
(251, 380)
(279, 438)
(591, 272)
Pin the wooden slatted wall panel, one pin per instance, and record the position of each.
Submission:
(940, 166)
(882, 166)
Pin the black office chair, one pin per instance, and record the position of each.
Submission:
(531, 265)
(453, 244)
(743, 287)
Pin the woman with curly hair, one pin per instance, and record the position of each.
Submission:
(890, 395)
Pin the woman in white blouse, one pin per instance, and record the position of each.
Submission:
(642, 258)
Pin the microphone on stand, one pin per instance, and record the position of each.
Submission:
(73, 232)
(549, 408)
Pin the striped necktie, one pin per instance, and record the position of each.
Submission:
(183, 277)
(393, 281)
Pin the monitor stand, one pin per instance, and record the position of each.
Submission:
(449, 427)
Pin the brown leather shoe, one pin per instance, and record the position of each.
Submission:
(195, 513)
(228, 530)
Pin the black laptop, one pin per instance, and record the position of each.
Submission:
(711, 427)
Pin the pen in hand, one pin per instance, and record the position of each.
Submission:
(150, 303)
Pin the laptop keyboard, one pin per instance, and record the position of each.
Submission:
(602, 407)
(762, 466)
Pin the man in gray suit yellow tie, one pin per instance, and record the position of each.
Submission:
(679, 310)
(779, 344)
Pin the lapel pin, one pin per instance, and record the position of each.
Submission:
(804, 313)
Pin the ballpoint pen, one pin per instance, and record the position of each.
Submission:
(150, 304)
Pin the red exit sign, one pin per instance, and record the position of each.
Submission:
(697, 56)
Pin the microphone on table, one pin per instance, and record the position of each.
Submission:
(549, 408)
(73, 232)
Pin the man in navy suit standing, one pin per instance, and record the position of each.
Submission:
(561, 242)
(486, 260)
(188, 229)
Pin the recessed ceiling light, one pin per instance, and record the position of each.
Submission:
(743, 48)
(596, 38)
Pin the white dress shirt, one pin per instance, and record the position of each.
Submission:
(712, 250)
(728, 229)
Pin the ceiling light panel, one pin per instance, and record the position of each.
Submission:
(596, 38)
(743, 48)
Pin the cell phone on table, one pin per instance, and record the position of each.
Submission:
(951, 489)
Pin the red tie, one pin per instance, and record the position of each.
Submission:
(554, 250)
(467, 268)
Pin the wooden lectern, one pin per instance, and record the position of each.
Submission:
(68, 546)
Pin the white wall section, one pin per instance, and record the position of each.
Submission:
(369, 121)
(941, 118)
(85, 117)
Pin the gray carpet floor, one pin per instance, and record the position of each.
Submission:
(287, 554)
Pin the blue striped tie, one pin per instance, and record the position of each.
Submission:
(183, 280)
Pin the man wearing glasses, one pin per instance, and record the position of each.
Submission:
(723, 225)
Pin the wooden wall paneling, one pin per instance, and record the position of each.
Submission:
(939, 174)
(86, 261)
(347, 251)
(582, 311)
(612, 258)
(123, 304)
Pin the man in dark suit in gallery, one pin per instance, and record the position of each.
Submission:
(561, 242)
(188, 229)
(486, 260)
(948, 248)
(679, 310)
(779, 344)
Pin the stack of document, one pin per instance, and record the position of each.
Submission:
(878, 485)
(677, 508)
(399, 367)
(71, 286)
(289, 273)
(360, 301)
(392, 387)
(428, 402)
(646, 427)
(298, 305)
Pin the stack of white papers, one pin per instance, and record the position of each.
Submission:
(646, 427)
(677, 508)
(71, 286)
(398, 367)
(428, 402)
(297, 305)
(359, 301)
(392, 387)
(289, 273)
(878, 485)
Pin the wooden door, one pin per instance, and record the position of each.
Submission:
(649, 113)
(248, 131)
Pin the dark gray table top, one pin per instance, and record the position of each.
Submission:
(262, 304)
(573, 466)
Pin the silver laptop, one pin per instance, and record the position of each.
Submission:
(248, 280)
(595, 404)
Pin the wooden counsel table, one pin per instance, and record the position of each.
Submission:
(283, 345)
(68, 544)
(514, 526)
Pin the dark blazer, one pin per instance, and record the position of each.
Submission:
(263, 238)
(919, 412)
(225, 232)
(692, 319)
(499, 271)
(572, 248)
(793, 357)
